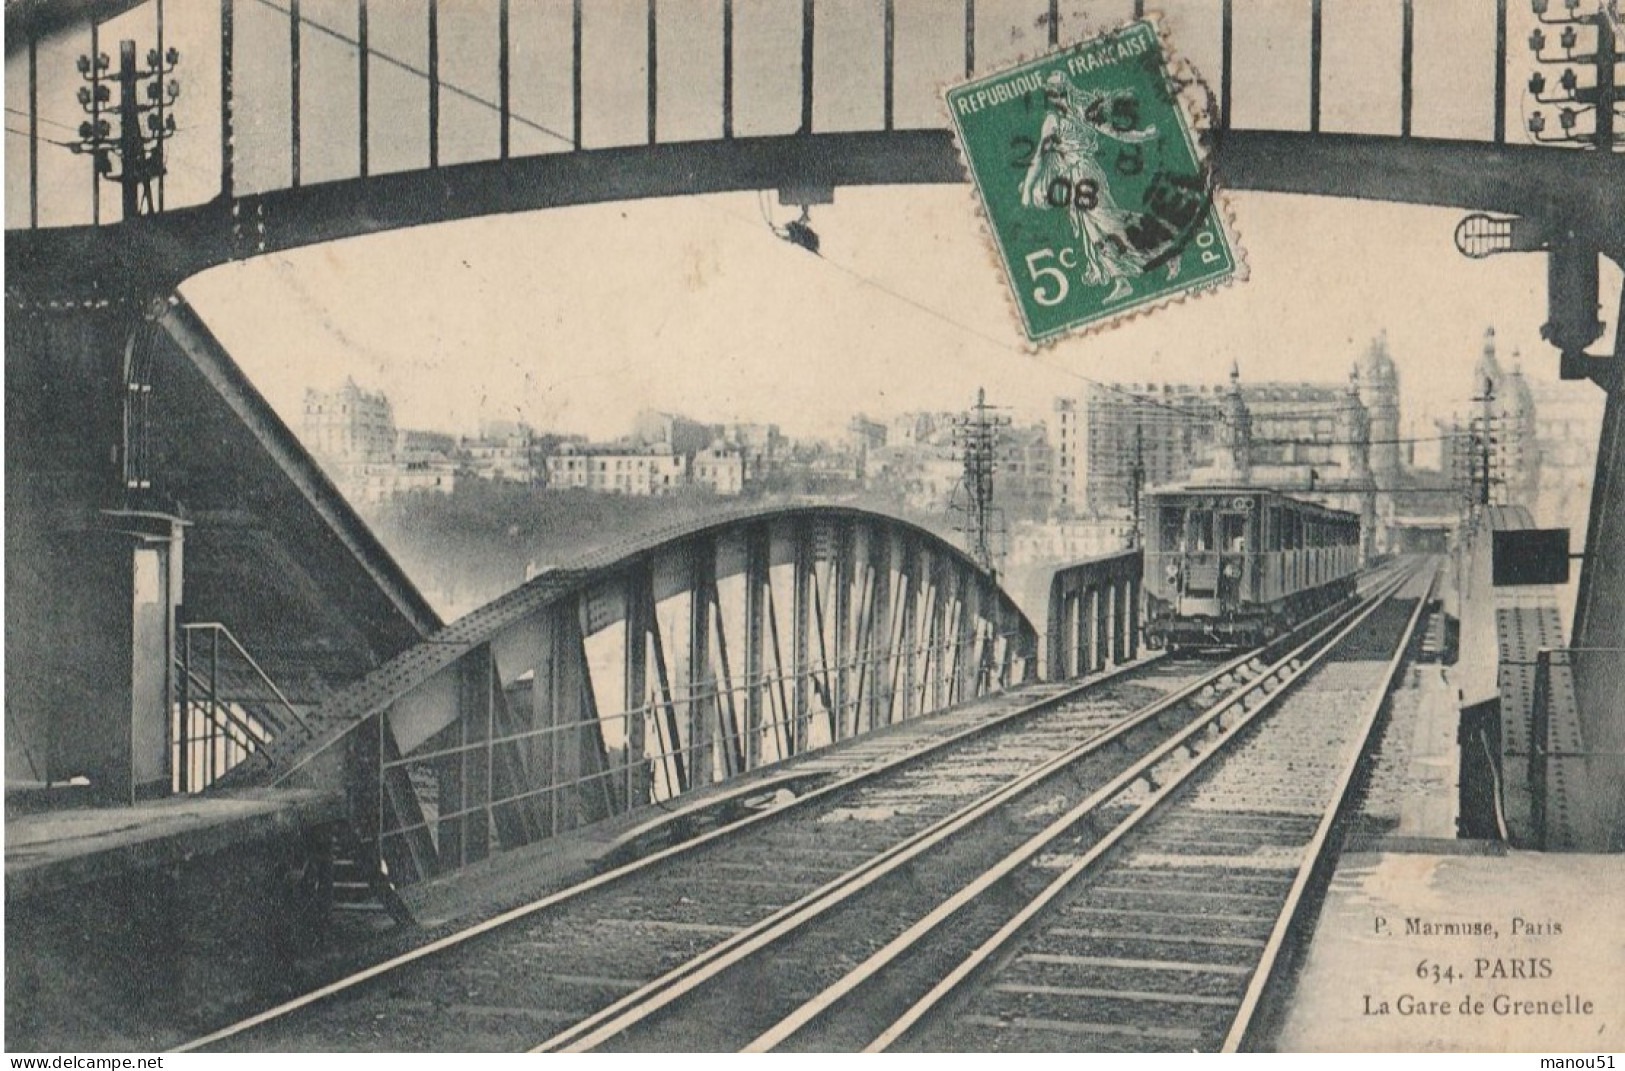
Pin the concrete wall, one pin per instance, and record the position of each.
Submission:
(68, 590)
(150, 957)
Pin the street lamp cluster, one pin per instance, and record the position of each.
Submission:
(1600, 24)
(133, 129)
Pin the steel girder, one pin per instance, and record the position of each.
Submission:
(654, 669)
(1094, 615)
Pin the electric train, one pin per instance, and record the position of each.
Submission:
(1235, 567)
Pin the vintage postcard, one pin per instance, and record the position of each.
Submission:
(814, 525)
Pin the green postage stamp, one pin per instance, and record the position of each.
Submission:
(1093, 179)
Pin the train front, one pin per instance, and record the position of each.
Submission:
(1198, 569)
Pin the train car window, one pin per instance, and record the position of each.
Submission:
(1172, 528)
(1201, 529)
(1233, 532)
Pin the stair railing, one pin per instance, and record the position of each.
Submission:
(226, 707)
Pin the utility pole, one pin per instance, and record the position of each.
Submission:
(143, 125)
(129, 125)
(977, 436)
(1601, 98)
(1484, 441)
(1464, 462)
(1584, 39)
(1136, 486)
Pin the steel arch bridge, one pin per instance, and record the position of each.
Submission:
(306, 121)
(684, 657)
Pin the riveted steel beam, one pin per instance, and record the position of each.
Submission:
(801, 615)
(69, 263)
(702, 685)
(756, 599)
(638, 618)
(841, 580)
(908, 636)
(880, 628)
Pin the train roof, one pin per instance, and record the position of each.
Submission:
(1239, 490)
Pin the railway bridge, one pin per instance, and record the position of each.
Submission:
(192, 606)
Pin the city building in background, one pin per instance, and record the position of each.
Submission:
(1066, 488)
(1566, 417)
(505, 451)
(352, 432)
(763, 448)
(1525, 443)
(653, 470)
(1115, 439)
(917, 458)
(719, 468)
(682, 435)
(349, 427)
(1111, 431)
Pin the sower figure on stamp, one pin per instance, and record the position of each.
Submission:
(1066, 172)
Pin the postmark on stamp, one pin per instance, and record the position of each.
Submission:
(1092, 176)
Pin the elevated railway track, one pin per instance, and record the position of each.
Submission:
(819, 923)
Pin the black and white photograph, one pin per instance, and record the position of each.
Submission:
(654, 526)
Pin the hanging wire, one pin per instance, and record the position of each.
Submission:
(420, 72)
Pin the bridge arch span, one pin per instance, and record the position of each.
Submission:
(308, 124)
(64, 264)
(647, 670)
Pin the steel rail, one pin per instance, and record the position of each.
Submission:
(628, 869)
(978, 960)
(1318, 853)
(649, 999)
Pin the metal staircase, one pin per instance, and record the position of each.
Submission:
(227, 709)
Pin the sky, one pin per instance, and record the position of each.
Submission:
(574, 319)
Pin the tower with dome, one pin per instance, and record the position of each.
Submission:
(1379, 391)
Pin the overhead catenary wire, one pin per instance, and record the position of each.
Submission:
(1199, 407)
(22, 113)
(420, 72)
(1204, 407)
(49, 141)
(1400, 441)
(1003, 344)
